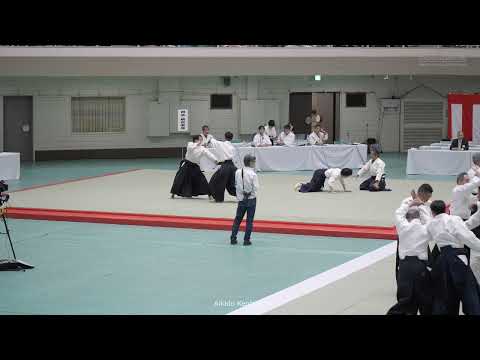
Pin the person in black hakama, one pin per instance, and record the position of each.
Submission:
(452, 278)
(189, 180)
(331, 176)
(224, 177)
(414, 291)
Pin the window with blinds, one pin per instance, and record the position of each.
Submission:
(98, 115)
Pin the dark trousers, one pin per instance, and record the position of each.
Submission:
(316, 184)
(245, 206)
(224, 178)
(414, 291)
(368, 184)
(453, 282)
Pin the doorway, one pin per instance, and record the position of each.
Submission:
(17, 126)
(301, 105)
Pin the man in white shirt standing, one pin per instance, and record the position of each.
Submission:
(246, 181)
(224, 177)
(318, 136)
(452, 278)
(261, 139)
(287, 137)
(375, 168)
(206, 137)
(189, 180)
(331, 176)
(414, 291)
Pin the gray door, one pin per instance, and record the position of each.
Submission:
(17, 126)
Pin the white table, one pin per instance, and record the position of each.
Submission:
(284, 158)
(9, 166)
(438, 162)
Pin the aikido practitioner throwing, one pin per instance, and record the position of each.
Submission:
(414, 291)
(189, 180)
(422, 198)
(331, 176)
(452, 278)
(375, 167)
(224, 177)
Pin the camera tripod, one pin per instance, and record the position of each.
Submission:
(11, 264)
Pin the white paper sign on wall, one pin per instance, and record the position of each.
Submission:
(182, 120)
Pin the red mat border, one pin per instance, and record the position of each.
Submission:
(263, 226)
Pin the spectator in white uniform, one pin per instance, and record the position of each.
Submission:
(330, 176)
(452, 278)
(287, 137)
(189, 180)
(271, 131)
(375, 168)
(206, 137)
(261, 139)
(318, 136)
(414, 291)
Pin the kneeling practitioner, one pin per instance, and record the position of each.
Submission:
(317, 183)
(375, 167)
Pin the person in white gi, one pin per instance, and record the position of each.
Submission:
(318, 136)
(472, 223)
(375, 168)
(462, 198)
(452, 278)
(472, 172)
(330, 176)
(189, 180)
(287, 137)
(422, 199)
(206, 137)
(413, 281)
(261, 139)
(224, 178)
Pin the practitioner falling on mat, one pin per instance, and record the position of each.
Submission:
(246, 181)
(452, 278)
(317, 183)
(414, 291)
(224, 177)
(189, 180)
(375, 167)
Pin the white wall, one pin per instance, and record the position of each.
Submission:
(54, 132)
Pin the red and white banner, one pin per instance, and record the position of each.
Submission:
(464, 115)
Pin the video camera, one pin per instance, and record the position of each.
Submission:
(3, 197)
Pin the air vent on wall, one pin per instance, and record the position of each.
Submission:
(443, 61)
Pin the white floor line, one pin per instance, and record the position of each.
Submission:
(316, 282)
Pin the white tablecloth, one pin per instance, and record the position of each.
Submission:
(283, 158)
(9, 166)
(438, 162)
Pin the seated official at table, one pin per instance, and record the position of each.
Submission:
(271, 131)
(318, 136)
(261, 139)
(460, 143)
(287, 137)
